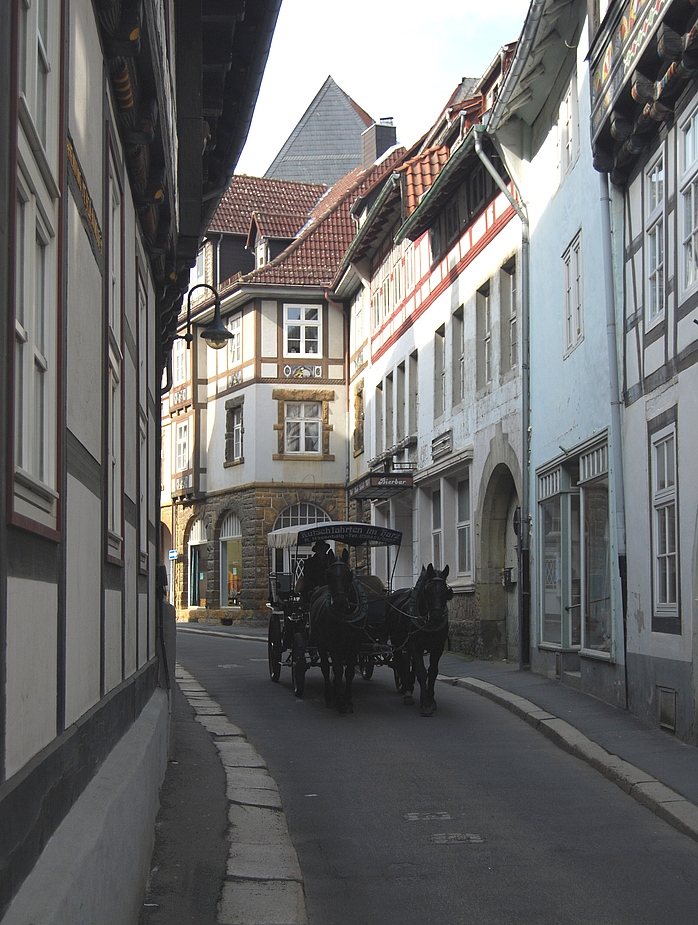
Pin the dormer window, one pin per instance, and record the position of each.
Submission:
(261, 252)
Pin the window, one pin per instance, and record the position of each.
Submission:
(359, 418)
(413, 392)
(233, 431)
(114, 362)
(689, 199)
(509, 320)
(35, 246)
(197, 274)
(439, 371)
(235, 342)
(231, 561)
(303, 420)
(483, 312)
(655, 240)
(180, 362)
(389, 410)
(297, 515)
(182, 446)
(572, 269)
(436, 527)
(463, 528)
(378, 422)
(302, 330)
(568, 129)
(665, 530)
(458, 364)
(477, 190)
(142, 321)
(574, 531)
(400, 432)
(198, 564)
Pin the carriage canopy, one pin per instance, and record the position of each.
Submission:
(351, 534)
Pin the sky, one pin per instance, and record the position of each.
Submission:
(401, 60)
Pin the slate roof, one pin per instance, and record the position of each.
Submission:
(246, 195)
(313, 258)
(325, 145)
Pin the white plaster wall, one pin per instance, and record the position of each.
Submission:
(269, 328)
(83, 599)
(31, 660)
(335, 334)
(84, 347)
(112, 639)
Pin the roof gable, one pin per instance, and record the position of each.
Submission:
(325, 145)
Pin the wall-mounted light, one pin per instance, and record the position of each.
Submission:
(215, 334)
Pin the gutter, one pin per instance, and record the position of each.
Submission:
(525, 520)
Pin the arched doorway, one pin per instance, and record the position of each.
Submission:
(198, 564)
(497, 575)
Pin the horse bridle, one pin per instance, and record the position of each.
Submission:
(351, 615)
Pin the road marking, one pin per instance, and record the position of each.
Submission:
(452, 838)
(426, 817)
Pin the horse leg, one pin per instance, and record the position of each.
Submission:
(348, 679)
(432, 674)
(425, 707)
(405, 669)
(325, 668)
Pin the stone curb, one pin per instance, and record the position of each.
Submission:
(647, 790)
(264, 884)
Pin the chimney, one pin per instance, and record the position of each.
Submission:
(376, 140)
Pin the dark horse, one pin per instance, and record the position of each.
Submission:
(337, 624)
(418, 622)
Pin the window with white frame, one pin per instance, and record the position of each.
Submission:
(572, 273)
(180, 361)
(568, 128)
(303, 423)
(654, 240)
(302, 330)
(400, 431)
(378, 418)
(389, 410)
(665, 529)
(182, 446)
(233, 430)
(35, 301)
(197, 274)
(235, 342)
(436, 527)
(689, 199)
(413, 393)
(463, 528)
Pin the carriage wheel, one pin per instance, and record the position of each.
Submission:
(298, 665)
(274, 647)
(366, 666)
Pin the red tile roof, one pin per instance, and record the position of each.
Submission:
(276, 224)
(246, 195)
(419, 174)
(313, 257)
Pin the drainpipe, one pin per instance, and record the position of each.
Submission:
(519, 207)
(616, 432)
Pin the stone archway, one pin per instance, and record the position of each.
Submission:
(497, 573)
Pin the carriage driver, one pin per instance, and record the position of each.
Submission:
(314, 570)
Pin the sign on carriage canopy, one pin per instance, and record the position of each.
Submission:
(378, 487)
(351, 534)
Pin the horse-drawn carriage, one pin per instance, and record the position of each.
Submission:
(290, 640)
(351, 619)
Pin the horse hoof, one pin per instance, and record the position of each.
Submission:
(350, 708)
(408, 700)
(426, 710)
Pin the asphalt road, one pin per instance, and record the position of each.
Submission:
(469, 817)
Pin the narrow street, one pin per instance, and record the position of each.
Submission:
(471, 816)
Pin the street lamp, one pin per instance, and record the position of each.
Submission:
(216, 334)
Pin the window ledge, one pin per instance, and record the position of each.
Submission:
(307, 457)
(229, 463)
